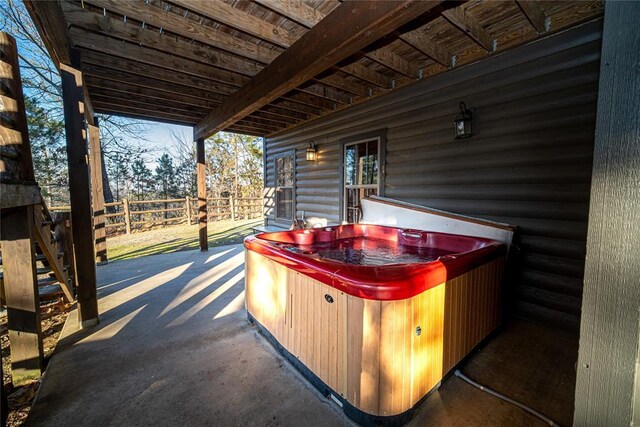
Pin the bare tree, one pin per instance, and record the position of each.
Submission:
(41, 83)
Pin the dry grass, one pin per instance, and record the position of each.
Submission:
(53, 316)
(177, 238)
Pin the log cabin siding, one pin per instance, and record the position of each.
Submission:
(528, 162)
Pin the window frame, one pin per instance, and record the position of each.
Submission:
(381, 136)
(276, 218)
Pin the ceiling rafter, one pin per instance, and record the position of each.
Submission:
(142, 101)
(292, 103)
(535, 15)
(106, 74)
(239, 20)
(105, 25)
(217, 11)
(99, 86)
(348, 29)
(101, 63)
(52, 28)
(138, 112)
(135, 52)
(308, 17)
(142, 11)
(468, 25)
(278, 109)
(419, 41)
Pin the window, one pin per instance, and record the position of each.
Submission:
(361, 175)
(284, 187)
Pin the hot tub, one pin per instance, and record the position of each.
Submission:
(374, 316)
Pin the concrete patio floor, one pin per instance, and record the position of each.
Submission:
(174, 348)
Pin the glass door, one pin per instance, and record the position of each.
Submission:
(361, 170)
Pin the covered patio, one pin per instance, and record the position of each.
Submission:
(354, 99)
(174, 329)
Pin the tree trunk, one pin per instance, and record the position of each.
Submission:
(108, 195)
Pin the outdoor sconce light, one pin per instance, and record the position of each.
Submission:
(462, 123)
(312, 152)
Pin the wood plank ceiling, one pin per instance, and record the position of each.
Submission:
(179, 61)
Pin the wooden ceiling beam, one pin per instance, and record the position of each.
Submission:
(262, 123)
(306, 16)
(239, 20)
(289, 102)
(170, 49)
(90, 21)
(108, 88)
(348, 29)
(535, 15)
(155, 104)
(284, 112)
(258, 127)
(245, 131)
(418, 40)
(310, 102)
(279, 122)
(188, 28)
(144, 114)
(345, 85)
(52, 28)
(159, 108)
(283, 121)
(327, 95)
(367, 74)
(160, 76)
(104, 77)
(468, 25)
(247, 23)
(135, 52)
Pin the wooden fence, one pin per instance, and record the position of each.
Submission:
(126, 215)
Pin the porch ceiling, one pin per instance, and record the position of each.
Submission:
(210, 64)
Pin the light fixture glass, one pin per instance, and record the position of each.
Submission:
(462, 123)
(312, 152)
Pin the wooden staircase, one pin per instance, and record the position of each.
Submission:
(51, 262)
(48, 247)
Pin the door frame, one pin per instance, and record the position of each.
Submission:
(381, 136)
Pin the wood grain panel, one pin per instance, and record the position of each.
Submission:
(367, 351)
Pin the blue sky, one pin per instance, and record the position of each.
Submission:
(159, 137)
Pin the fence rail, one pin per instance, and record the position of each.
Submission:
(126, 215)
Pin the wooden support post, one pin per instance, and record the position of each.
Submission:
(127, 215)
(21, 290)
(232, 208)
(80, 195)
(95, 159)
(202, 196)
(187, 209)
(608, 371)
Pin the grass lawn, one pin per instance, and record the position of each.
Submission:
(177, 238)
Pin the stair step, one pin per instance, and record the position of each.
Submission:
(48, 282)
(49, 292)
(43, 270)
(46, 270)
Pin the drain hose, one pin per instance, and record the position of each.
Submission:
(544, 418)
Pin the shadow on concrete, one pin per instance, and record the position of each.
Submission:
(174, 347)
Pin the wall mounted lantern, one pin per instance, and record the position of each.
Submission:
(462, 123)
(312, 152)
